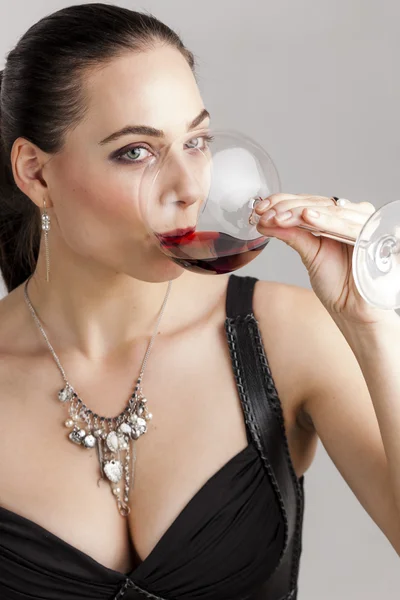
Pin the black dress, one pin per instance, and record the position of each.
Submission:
(238, 538)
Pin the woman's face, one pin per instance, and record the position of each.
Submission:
(94, 182)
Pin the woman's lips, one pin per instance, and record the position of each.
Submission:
(176, 233)
(177, 237)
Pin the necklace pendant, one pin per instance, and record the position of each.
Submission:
(77, 436)
(66, 394)
(89, 441)
(112, 441)
(125, 428)
(113, 470)
(123, 508)
(139, 426)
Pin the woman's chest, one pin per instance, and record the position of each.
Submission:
(197, 428)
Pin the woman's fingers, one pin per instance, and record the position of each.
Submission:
(366, 207)
(332, 219)
(337, 213)
(295, 216)
(281, 203)
(323, 220)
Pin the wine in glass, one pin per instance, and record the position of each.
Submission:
(198, 196)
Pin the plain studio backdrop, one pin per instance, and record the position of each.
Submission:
(316, 83)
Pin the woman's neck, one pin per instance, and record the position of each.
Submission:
(97, 311)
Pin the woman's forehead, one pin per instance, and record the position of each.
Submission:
(155, 88)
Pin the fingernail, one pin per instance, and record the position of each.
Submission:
(284, 216)
(269, 215)
(313, 213)
(262, 206)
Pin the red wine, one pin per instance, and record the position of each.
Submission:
(210, 251)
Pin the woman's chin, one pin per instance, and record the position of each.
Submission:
(159, 269)
(168, 272)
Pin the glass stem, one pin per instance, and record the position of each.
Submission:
(350, 240)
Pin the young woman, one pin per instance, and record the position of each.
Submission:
(242, 379)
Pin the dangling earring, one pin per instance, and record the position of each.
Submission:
(46, 229)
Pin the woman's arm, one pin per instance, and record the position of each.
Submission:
(352, 396)
(377, 349)
(349, 361)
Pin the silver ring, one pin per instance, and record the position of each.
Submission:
(339, 201)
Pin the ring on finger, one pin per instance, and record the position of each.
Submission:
(339, 201)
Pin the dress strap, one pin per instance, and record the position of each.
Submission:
(264, 418)
(239, 297)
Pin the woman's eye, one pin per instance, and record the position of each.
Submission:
(194, 143)
(135, 155)
(199, 143)
(138, 153)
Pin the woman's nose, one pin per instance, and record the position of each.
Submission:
(183, 184)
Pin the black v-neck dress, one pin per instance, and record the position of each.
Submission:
(238, 538)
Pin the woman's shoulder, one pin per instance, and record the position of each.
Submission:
(303, 343)
(286, 307)
(277, 292)
(291, 320)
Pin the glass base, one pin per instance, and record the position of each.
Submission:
(376, 258)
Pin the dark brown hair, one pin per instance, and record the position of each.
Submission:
(41, 98)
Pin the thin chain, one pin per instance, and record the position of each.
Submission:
(44, 334)
(53, 352)
(153, 337)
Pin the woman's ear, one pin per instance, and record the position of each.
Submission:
(27, 162)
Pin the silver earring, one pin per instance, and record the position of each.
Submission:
(46, 229)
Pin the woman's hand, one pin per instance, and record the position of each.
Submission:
(329, 263)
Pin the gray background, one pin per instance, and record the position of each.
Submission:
(316, 83)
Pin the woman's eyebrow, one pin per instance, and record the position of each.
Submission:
(150, 131)
(199, 119)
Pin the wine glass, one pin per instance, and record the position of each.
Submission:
(198, 196)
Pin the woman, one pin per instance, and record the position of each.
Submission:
(215, 506)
